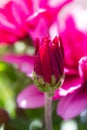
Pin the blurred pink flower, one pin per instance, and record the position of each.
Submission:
(73, 30)
(19, 19)
(75, 44)
(13, 20)
(73, 104)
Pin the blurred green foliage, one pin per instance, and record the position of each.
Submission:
(12, 82)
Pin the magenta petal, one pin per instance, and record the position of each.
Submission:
(70, 71)
(73, 104)
(6, 36)
(30, 97)
(40, 30)
(24, 62)
(72, 82)
(69, 86)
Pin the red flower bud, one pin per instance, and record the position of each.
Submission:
(49, 64)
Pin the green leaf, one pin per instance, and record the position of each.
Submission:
(12, 82)
(7, 98)
(19, 123)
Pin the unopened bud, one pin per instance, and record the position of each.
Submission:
(49, 64)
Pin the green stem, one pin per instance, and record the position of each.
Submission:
(48, 111)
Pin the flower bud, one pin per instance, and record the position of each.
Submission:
(49, 64)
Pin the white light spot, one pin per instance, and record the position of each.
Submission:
(19, 46)
(63, 92)
(53, 30)
(23, 103)
(54, 3)
(3, 2)
(69, 125)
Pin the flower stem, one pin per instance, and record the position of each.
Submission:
(48, 111)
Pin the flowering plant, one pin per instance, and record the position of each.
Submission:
(53, 75)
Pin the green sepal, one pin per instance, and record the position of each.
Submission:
(45, 86)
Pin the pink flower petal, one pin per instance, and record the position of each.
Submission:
(15, 22)
(30, 97)
(70, 85)
(24, 62)
(72, 81)
(44, 11)
(6, 36)
(74, 42)
(70, 71)
(40, 31)
(54, 7)
(73, 104)
(16, 25)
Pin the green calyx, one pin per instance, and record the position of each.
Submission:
(45, 86)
